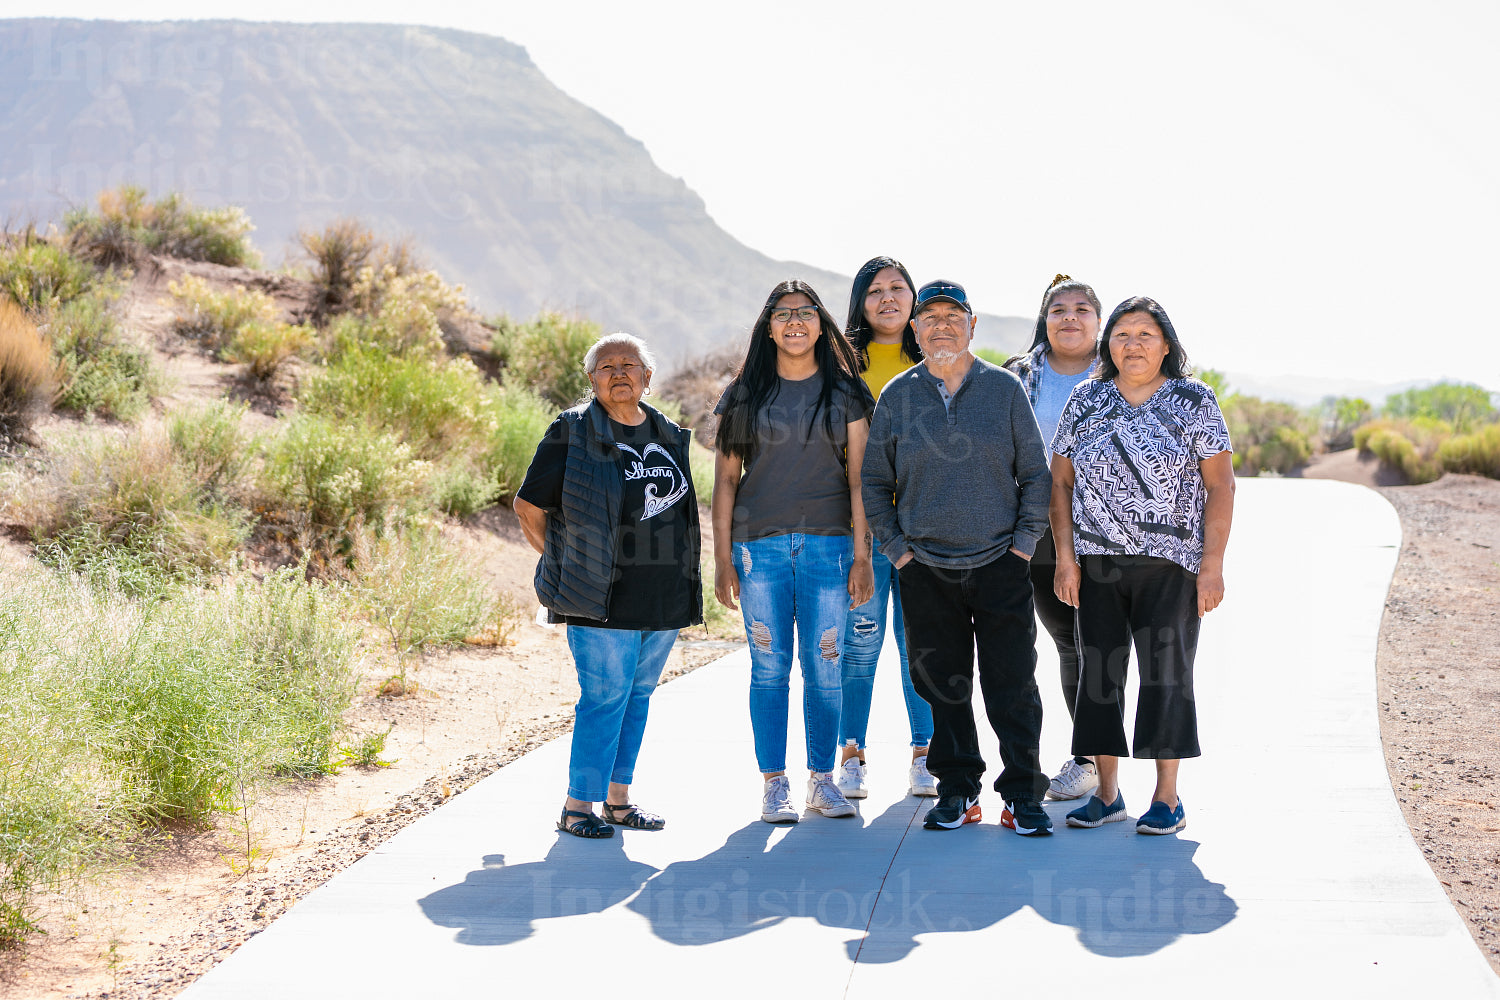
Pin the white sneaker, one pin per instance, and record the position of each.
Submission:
(852, 779)
(1074, 781)
(776, 801)
(923, 784)
(824, 796)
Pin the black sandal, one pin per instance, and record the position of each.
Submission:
(588, 826)
(633, 817)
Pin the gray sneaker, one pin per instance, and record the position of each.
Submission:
(1074, 781)
(824, 796)
(852, 779)
(923, 784)
(776, 801)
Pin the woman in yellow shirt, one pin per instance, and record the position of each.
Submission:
(879, 327)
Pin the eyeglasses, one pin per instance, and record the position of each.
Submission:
(805, 313)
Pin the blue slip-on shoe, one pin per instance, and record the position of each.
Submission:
(1160, 818)
(1095, 813)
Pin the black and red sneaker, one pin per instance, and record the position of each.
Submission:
(952, 812)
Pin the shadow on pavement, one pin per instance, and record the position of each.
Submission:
(1122, 893)
(500, 903)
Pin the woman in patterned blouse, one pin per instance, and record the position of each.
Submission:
(1142, 498)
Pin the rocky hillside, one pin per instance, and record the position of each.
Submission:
(455, 139)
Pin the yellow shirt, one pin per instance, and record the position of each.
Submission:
(886, 362)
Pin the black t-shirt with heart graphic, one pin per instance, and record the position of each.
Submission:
(653, 586)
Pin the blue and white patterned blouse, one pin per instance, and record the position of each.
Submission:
(1137, 489)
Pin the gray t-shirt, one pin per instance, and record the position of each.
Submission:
(797, 481)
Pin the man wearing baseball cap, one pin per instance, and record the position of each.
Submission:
(956, 488)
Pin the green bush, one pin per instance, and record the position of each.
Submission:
(1477, 454)
(1267, 435)
(545, 355)
(419, 592)
(41, 276)
(113, 713)
(98, 370)
(1341, 416)
(1462, 405)
(128, 223)
(991, 355)
(438, 407)
(1396, 450)
(211, 442)
(218, 317)
(335, 477)
(129, 514)
(264, 347)
(522, 419)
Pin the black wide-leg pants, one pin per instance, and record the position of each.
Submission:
(949, 613)
(1152, 604)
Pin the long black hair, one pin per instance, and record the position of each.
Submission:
(858, 329)
(756, 383)
(1174, 365)
(1061, 283)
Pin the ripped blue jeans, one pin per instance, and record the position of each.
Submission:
(863, 638)
(794, 593)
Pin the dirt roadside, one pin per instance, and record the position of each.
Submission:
(192, 901)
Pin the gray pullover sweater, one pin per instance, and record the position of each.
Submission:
(957, 486)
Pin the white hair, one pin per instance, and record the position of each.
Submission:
(618, 340)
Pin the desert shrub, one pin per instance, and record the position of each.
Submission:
(129, 513)
(98, 370)
(26, 368)
(419, 592)
(263, 347)
(1339, 417)
(61, 805)
(41, 276)
(1266, 435)
(113, 712)
(701, 468)
(1462, 405)
(521, 421)
(1396, 450)
(218, 317)
(334, 477)
(697, 385)
(545, 354)
(337, 253)
(128, 223)
(1477, 453)
(438, 407)
(211, 442)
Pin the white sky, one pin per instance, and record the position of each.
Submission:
(1307, 187)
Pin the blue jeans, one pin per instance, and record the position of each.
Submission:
(863, 638)
(796, 582)
(617, 672)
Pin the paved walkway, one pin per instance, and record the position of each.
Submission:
(1295, 876)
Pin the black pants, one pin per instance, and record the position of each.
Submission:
(1152, 604)
(1057, 618)
(947, 613)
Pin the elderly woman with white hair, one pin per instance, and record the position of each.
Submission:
(609, 504)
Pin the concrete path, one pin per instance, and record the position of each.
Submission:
(1295, 876)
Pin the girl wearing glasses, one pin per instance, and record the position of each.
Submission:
(879, 327)
(789, 529)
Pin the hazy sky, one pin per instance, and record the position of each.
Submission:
(1306, 187)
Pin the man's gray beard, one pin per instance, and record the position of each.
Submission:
(943, 357)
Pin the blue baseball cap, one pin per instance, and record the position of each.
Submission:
(943, 291)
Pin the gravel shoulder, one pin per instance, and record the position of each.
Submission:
(1438, 670)
(199, 894)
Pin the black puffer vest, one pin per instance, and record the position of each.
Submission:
(577, 568)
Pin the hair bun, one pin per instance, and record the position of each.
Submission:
(1059, 279)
